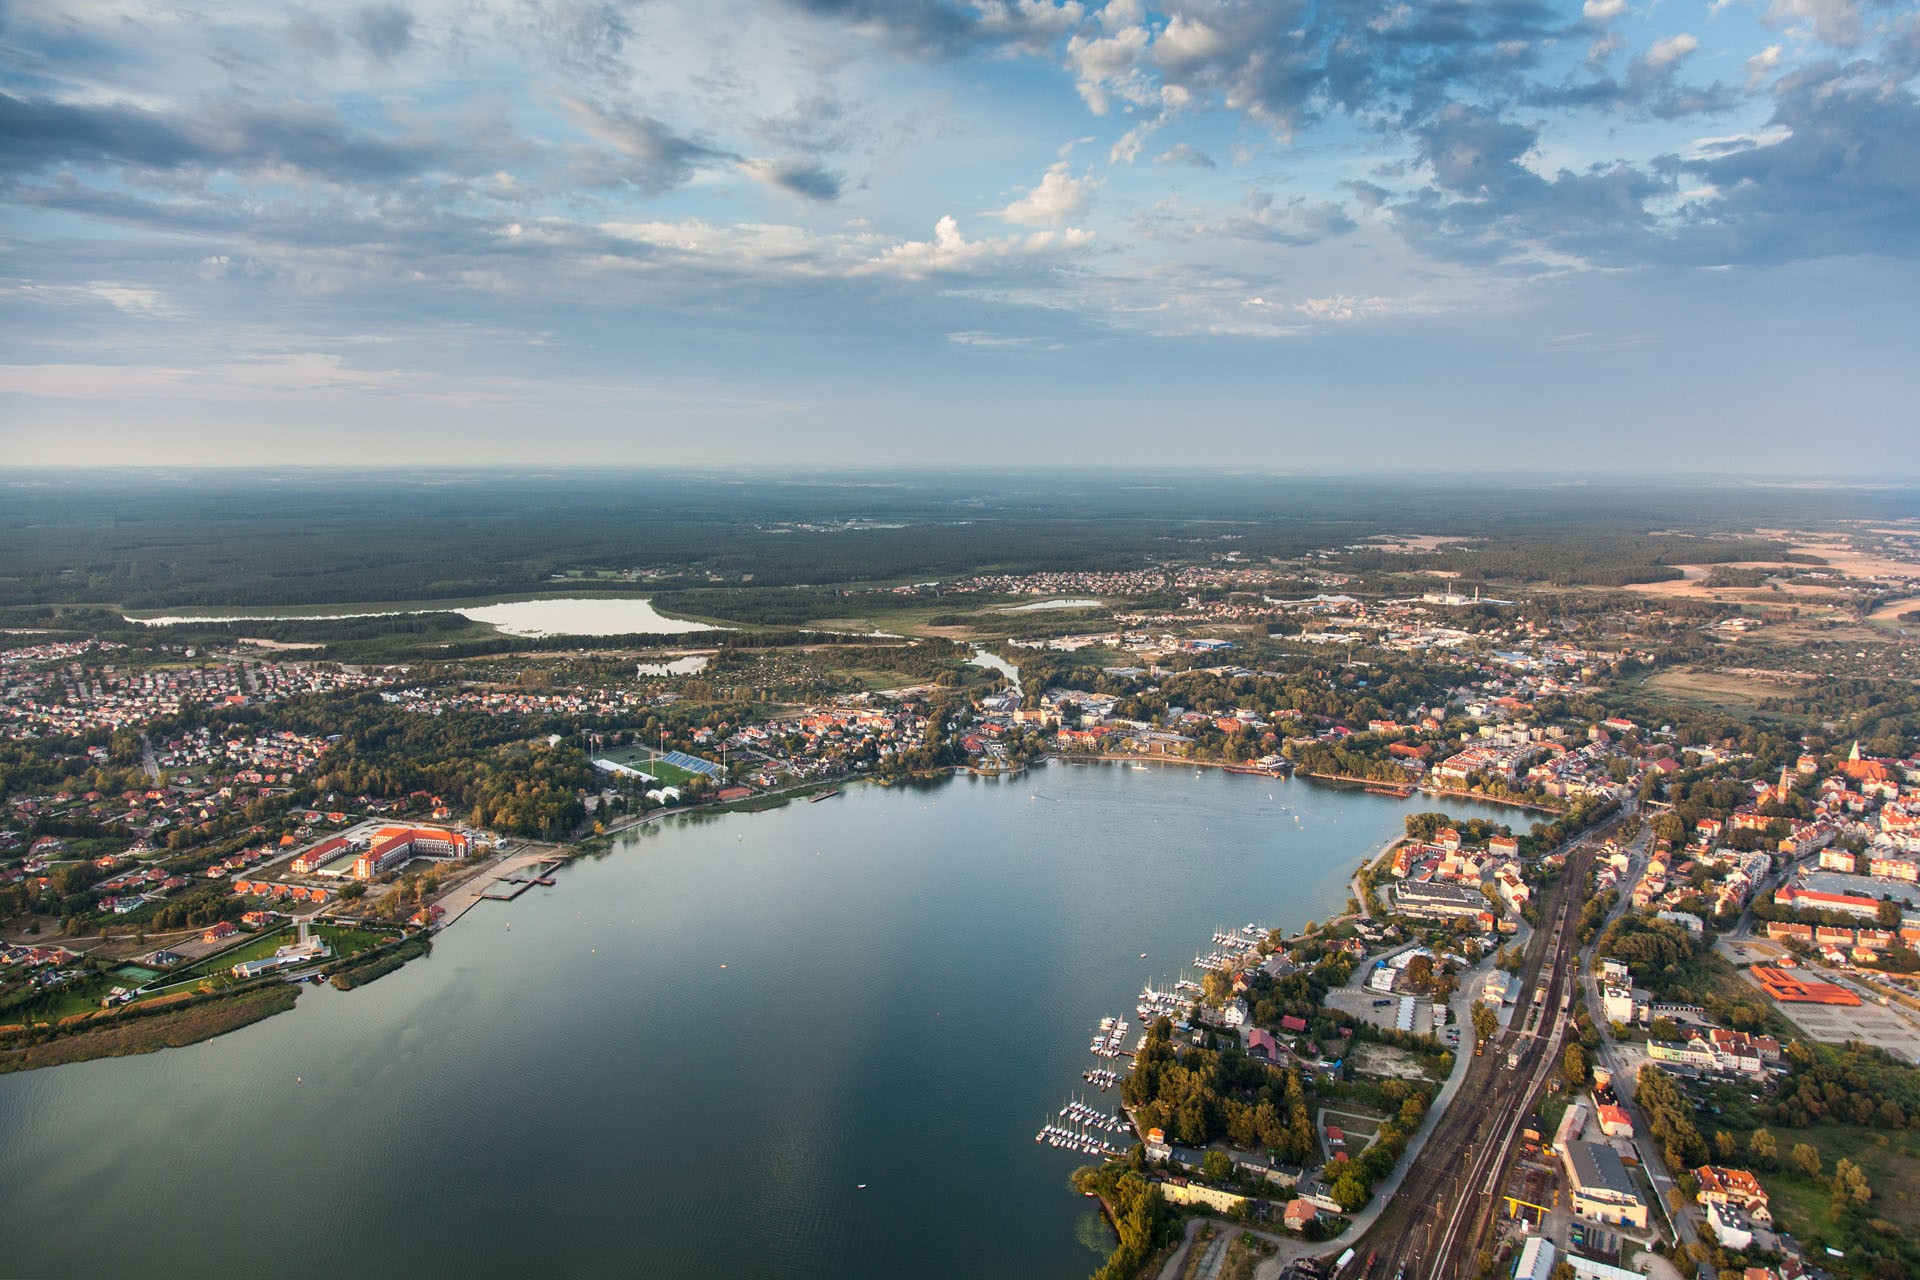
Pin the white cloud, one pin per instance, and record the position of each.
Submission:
(1058, 199)
(1187, 42)
(125, 298)
(951, 251)
(1107, 65)
(1763, 64)
(1602, 10)
(1670, 51)
(1836, 22)
(1029, 25)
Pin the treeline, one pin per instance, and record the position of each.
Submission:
(1849, 1084)
(1669, 1119)
(1584, 557)
(1135, 1207)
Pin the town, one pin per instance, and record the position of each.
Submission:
(1679, 981)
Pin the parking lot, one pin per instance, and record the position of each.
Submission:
(1382, 1011)
(1871, 1022)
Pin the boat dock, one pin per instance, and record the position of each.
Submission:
(509, 887)
(1108, 1037)
(1083, 1128)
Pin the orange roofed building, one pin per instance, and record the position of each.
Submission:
(1792, 989)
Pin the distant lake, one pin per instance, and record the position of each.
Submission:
(543, 616)
(1038, 605)
(692, 664)
(685, 1058)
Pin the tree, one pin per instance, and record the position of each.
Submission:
(1349, 1190)
(1420, 972)
(1216, 1167)
(1850, 1185)
(1887, 914)
(1217, 987)
(1485, 1021)
(1807, 1157)
(1573, 1066)
(1724, 1145)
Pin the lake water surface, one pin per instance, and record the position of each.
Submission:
(684, 1059)
(585, 616)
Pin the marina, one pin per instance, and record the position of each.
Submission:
(1109, 1036)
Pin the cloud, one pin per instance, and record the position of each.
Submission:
(660, 159)
(584, 36)
(817, 122)
(950, 252)
(1837, 172)
(1260, 217)
(1185, 154)
(37, 134)
(933, 28)
(383, 30)
(1602, 11)
(1671, 50)
(1487, 206)
(130, 300)
(1763, 64)
(796, 177)
(1058, 199)
(1835, 22)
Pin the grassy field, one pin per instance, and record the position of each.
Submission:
(641, 758)
(218, 967)
(350, 942)
(80, 997)
(1726, 692)
(1890, 1160)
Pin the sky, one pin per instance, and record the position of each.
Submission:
(1363, 235)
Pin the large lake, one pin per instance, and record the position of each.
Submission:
(684, 1059)
(545, 616)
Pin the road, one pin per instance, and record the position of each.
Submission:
(1448, 1199)
(1652, 1158)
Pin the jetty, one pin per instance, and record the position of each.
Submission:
(508, 887)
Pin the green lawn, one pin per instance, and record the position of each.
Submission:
(1889, 1158)
(641, 758)
(257, 947)
(82, 996)
(350, 942)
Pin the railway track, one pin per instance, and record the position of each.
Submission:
(1449, 1199)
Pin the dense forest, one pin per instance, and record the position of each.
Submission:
(153, 540)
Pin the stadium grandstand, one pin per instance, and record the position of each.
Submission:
(692, 764)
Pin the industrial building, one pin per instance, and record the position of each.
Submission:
(1599, 1187)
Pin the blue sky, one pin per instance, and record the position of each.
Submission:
(1290, 235)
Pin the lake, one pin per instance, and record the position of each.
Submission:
(685, 1058)
(545, 616)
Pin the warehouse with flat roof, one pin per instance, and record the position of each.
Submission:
(1600, 1187)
